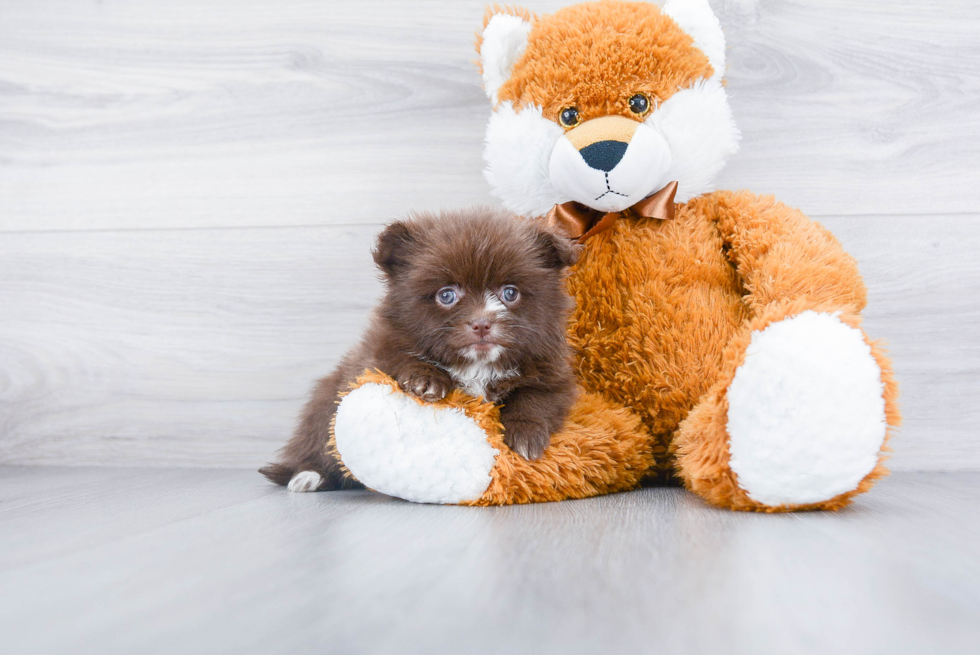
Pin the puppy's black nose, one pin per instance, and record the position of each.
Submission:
(604, 155)
(481, 328)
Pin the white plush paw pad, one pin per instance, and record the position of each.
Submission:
(806, 412)
(304, 481)
(421, 453)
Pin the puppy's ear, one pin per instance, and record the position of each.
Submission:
(392, 248)
(557, 251)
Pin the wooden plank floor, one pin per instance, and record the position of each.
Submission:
(100, 560)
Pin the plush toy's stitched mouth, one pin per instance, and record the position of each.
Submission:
(609, 190)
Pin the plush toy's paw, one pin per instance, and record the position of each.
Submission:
(428, 383)
(304, 481)
(806, 412)
(424, 453)
(527, 438)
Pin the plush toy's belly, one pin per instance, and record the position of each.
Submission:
(656, 302)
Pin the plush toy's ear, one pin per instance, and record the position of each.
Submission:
(392, 248)
(502, 42)
(558, 251)
(696, 18)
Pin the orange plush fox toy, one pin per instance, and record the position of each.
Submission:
(717, 334)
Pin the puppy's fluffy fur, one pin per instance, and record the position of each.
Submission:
(475, 300)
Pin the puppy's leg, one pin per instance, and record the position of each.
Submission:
(530, 416)
(305, 464)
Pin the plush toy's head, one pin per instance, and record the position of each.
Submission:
(604, 103)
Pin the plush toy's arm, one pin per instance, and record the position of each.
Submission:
(781, 255)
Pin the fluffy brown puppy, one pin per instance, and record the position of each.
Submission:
(474, 299)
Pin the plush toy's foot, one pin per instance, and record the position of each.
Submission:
(426, 453)
(452, 451)
(806, 412)
(799, 419)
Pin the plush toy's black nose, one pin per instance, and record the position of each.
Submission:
(604, 155)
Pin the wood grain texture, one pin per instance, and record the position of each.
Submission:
(197, 347)
(856, 107)
(924, 302)
(186, 347)
(141, 323)
(170, 561)
(219, 113)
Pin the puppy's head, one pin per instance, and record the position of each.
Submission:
(475, 286)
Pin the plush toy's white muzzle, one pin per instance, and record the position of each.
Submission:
(610, 163)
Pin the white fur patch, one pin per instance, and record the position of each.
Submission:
(696, 18)
(806, 414)
(698, 125)
(485, 357)
(517, 153)
(421, 453)
(493, 305)
(504, 41)
(304, 481)
(475, 378)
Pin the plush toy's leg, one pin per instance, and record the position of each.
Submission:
(453, 451)
(798, 419)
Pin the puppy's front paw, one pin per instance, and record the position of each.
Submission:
(527, 438)
(428, 384)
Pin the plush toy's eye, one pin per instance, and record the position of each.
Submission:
(569, 117)
(447, 296)
(639, 104)
(509, 294)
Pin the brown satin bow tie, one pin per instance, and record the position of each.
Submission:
(580, 222)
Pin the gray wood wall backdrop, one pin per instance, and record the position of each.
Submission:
(189, 189)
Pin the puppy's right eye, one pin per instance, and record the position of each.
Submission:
(447, 296)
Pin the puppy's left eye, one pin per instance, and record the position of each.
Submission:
(447, 296)
(510, 293)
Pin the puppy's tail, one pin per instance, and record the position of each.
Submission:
(278, 473)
